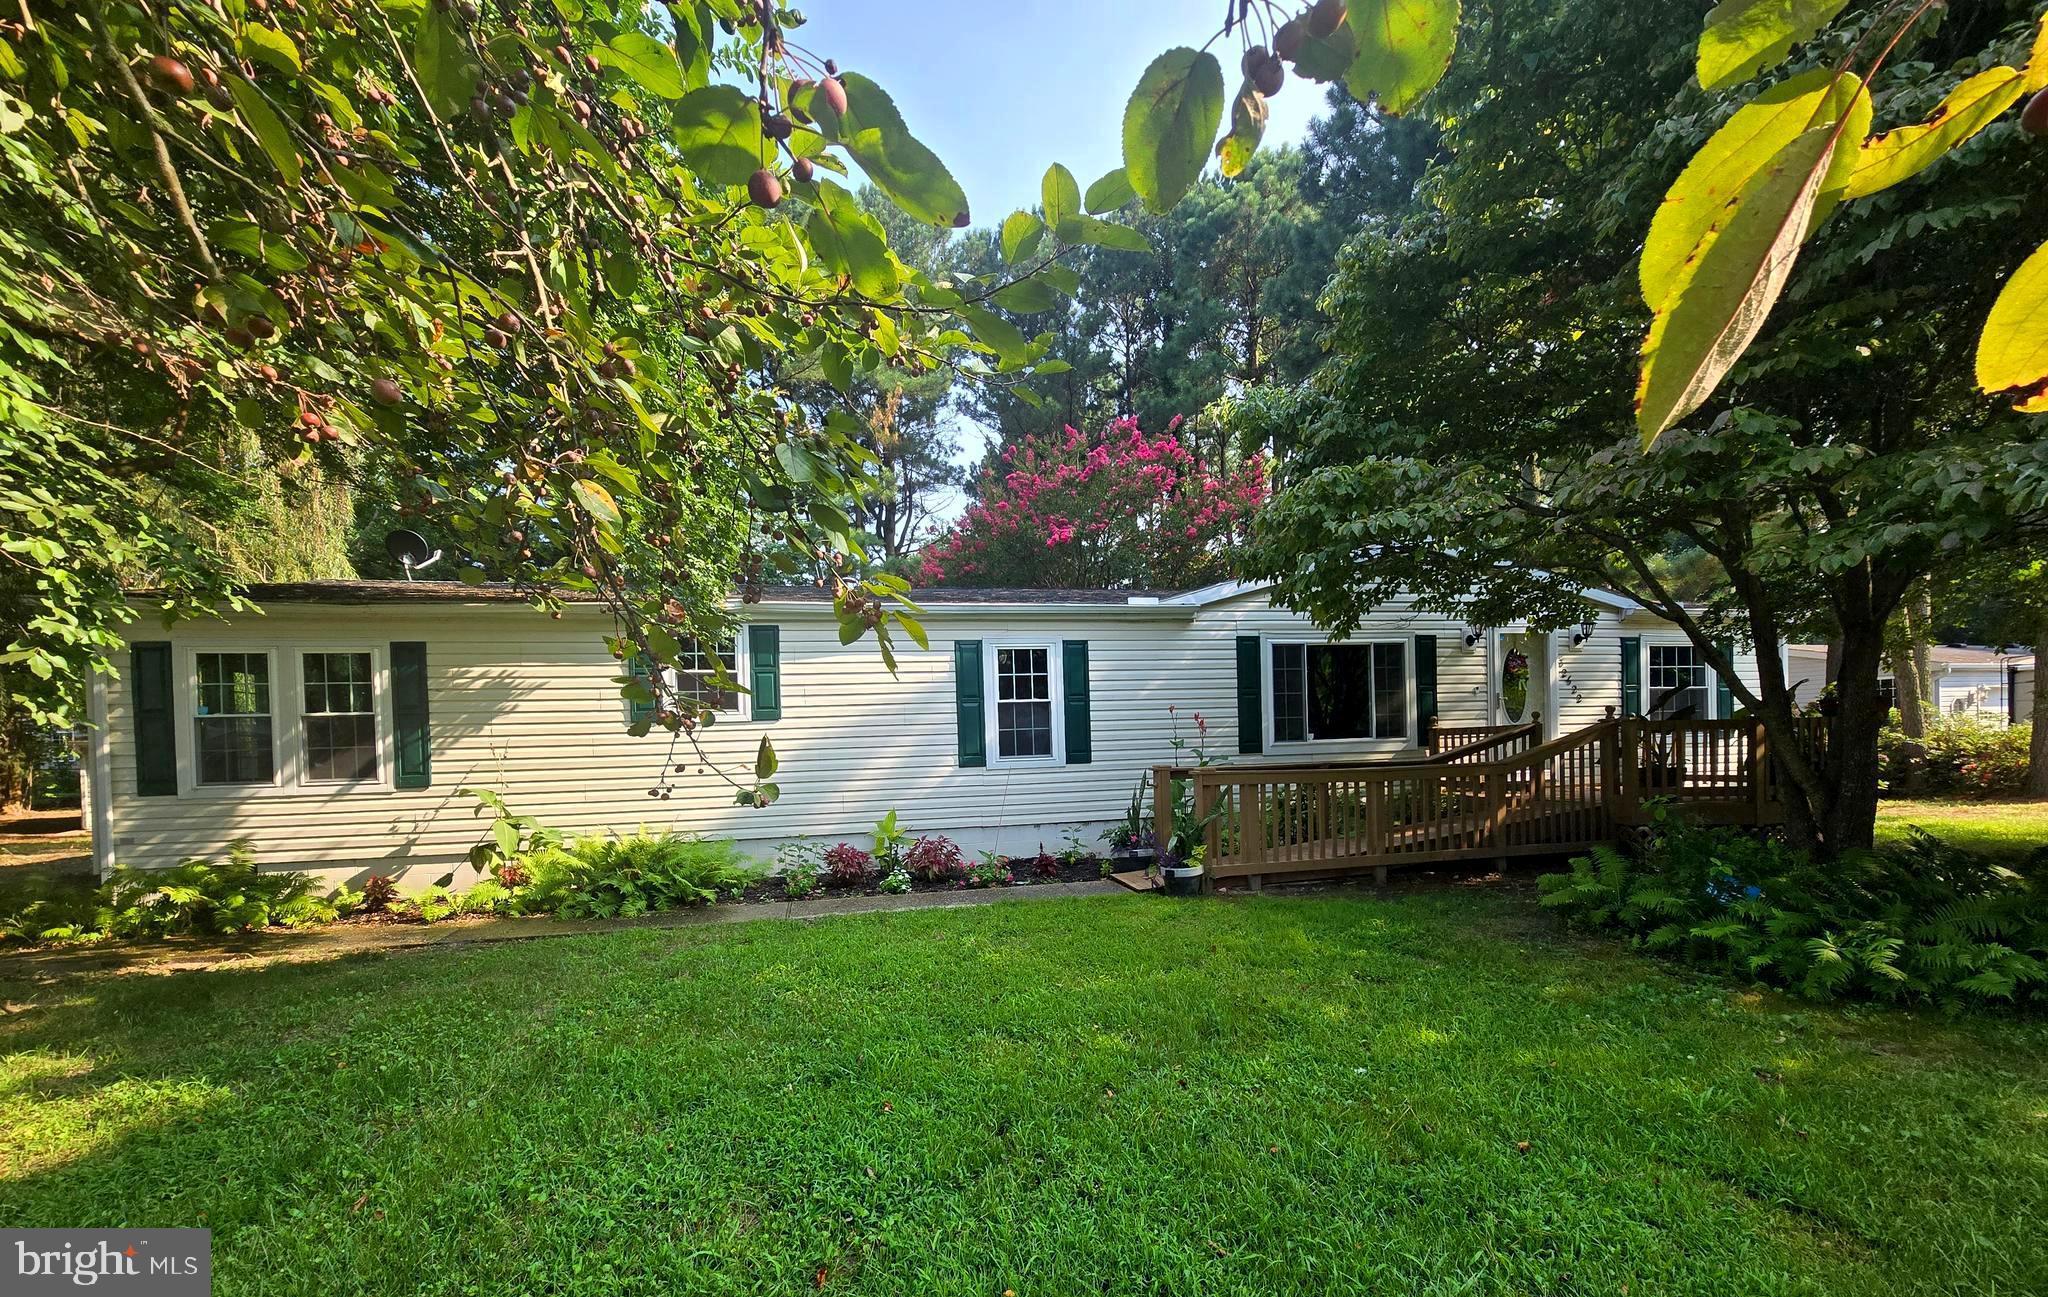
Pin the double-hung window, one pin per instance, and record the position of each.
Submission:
(1679, 683)
(1323, 692)
(340, 717)
(1026, 714)
(705, 676)
(232, 724)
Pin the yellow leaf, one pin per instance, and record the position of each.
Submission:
(1885, 160)
(1742, 37)
(1725, 164)
(2012, 354)
(1735, 275)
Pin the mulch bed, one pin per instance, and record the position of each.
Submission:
(1024, 872)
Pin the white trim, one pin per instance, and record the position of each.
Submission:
(1407, 738)
(287, 722)
(1055, 674)
(382, 740)
(100, 760)
(1713, 676)
(742, 661)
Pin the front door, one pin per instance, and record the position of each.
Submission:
(1521, 677)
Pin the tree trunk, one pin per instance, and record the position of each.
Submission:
(1848, 812)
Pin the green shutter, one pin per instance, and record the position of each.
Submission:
(1251, 695)
(156, 721)
(1080, 747)
(1631, 675)
(640, 711)
(764, 669)
(409, 714)
(967, 702)
(1724, 697)
(1425, 688)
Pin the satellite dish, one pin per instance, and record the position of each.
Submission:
(410, 550)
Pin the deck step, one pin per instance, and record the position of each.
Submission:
(1137, 880)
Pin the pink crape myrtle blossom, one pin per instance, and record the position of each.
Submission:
(1119, 509)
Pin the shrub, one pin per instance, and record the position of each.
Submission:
(990, 871)
(198, 896)
(934, 860)
(896, 880)
(605, 876)
(1921, 921)
(848, 866)
(799, 881)
(1042, 865)
(890, 842)
(1962, 756)
(42, 908)
(378, 894)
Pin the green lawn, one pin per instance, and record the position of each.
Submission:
(1996, 828)
(1434, 1093)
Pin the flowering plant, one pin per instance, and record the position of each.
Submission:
(847, 864)
(1120, 510)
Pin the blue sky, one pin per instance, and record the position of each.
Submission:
(1001, 89)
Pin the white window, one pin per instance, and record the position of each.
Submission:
(233, 732)
(1025, 723)
(1680, 686)
(1325, 692)
(697, 680)
(339, 723)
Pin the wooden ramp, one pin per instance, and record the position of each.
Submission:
(1492, 794)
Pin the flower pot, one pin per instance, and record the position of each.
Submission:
(1183, 880)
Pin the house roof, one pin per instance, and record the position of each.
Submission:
(417, 592)
(1952, 655)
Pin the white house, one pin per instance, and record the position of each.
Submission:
(1968, 680)
(337, 730)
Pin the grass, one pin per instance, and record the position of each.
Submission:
(2010, 829)
(1434, 1093)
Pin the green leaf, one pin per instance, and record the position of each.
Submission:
(718, 128)
(1104, 234)
(1743, 37)
(1327, 58)
(901, 167)
(1112, 191)
(269, 131)
(1169, 123)
(850, 241)
(1060, 194)
(269, 45)
(1008, 342)
(1247, 128)
(652, 64)
(1901, 154)
(2012, 353)
(1022, 235)
(1732, 280)
(765, 761)
(1754, 136)
(507, 836)
(1027, 296)
(1403, 48)
(596, 501)
(443, 62)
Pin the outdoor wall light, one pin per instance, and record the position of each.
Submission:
(1473, 634)
(1582, 633)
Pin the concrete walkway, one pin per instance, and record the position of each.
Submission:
(280, 946)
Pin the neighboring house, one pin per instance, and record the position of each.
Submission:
(1992, 685)
(336, 730)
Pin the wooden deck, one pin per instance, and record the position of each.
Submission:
(1481, 793)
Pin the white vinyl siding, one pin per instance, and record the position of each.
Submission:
(529, 707)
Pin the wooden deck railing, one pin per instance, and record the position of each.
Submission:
(1468, 744)
(1516, 796)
